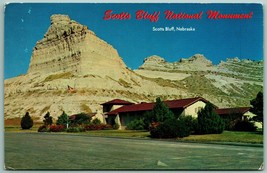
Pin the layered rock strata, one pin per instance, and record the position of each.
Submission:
(69, 46)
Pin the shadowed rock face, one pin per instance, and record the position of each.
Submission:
(69, 46)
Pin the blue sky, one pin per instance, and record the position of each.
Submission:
(26, 23)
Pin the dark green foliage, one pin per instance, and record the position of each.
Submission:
(96, 121)
(137, 124)
(48, 120)
(183, 130)
(26, 121)
(147, 118)
(170, 128)
(230, 120)
(245, 126)
(76, 129)
(116, 126)
(81, 118)
(209, 122)
(63, 119)
(190, 122)
(257, 108)
(43, 128)
(97, 127)
(159, 113)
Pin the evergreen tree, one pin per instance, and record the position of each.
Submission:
(63, 119)
(209, 122)
(82, 118)
(48, 120)
(257, 108)
(26, 121)
(160, 112)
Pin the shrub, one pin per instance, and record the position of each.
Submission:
(76, 129)
(257, 108)
(137, 124)
(80, 119)
(63, 119)
(43, 128)
(48, 119)
(95, 127)
(190, 122)
(57, 128)
(229, 124)
(108, 127)
(116, 126)
(26, 121)
(170, 128)
(159, 113)
(182, 129)
(209, 122)
(245, 126)
(96, 121)
(231, 119)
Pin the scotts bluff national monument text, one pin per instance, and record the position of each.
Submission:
(172, 15)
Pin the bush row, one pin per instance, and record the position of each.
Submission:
(62, 128)
(170, 128)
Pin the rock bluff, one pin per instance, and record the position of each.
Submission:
(68, 46)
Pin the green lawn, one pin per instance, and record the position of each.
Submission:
(18, 129)
(119, 133)
(226, 136)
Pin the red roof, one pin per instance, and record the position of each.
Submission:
(184, 103)
(117, 102)
(227, 111)
(172, 104)
(133, 108)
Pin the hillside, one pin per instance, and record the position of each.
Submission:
(72, 55)
(233, 82)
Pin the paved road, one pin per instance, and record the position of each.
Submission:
(66, 151)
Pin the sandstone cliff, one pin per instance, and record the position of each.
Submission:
(69, 46)
(72, 55)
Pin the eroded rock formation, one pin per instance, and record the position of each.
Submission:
(69, 46)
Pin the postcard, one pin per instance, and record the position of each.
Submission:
(133, 86)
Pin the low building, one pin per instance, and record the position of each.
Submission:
(239, 113)
(130, 112)
(113, 105)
